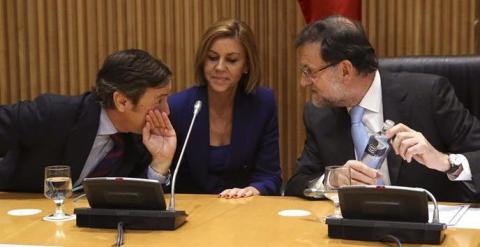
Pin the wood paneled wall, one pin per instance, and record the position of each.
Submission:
(58, 45)
(421, 27)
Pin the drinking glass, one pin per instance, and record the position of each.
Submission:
(335, 177)
(58, 187)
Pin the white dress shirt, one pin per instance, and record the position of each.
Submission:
(373, 121)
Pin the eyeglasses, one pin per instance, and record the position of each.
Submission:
(309, 74)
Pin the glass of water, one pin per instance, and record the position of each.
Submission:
(58, 187)
(335, 177)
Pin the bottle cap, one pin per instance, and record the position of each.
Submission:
(388, 124)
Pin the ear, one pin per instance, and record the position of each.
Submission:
(120, 101)
(347, 70)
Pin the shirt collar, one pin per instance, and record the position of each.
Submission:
(105, 127)
(372, 100)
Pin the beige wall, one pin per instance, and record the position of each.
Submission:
(58, 45)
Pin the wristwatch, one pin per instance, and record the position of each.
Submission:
(455, 161)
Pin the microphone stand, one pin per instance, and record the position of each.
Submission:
(436, 214)
(169, 219)
(196, 110)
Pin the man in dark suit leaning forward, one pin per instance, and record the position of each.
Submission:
(128, 109)
(435, 143)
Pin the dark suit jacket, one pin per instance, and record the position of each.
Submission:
(55, 130)
(425, 103)
(254, 157)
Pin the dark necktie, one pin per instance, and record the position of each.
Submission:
(112, 159)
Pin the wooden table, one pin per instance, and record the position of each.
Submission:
(211, 222)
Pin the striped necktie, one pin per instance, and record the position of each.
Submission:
(112, 159)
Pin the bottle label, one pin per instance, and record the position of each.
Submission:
(376, 148)
(375, 152)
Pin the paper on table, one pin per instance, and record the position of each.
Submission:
(470, 219)
(449, 214)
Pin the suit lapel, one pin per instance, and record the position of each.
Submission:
(199, 142)
(339, 141)
(240, 126)
(82, 136)
(395, 108)
(331, 129)
(345, 133)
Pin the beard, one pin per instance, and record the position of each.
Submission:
(336, 94)
(319, 101)
(337, 98)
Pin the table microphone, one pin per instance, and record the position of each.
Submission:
(372, 213)
(142, 219)
(196, 109)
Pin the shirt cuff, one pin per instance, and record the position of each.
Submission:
(464, 173)
(317, 183)
(152, 174)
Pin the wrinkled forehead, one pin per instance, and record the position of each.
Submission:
(309, 55)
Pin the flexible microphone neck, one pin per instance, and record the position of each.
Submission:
(436, 214)
(196, 110)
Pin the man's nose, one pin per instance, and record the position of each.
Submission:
(165, 107)
(304, 82)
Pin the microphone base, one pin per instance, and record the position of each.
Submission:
(132, 219)
(377, 230)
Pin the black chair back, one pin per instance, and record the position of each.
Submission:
(463, 72)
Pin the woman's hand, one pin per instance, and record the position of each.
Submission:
(239, 193)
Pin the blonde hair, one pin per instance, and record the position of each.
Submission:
(239, 30)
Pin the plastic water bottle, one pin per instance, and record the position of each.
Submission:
(377, 147)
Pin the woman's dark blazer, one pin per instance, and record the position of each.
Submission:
(254, 149)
